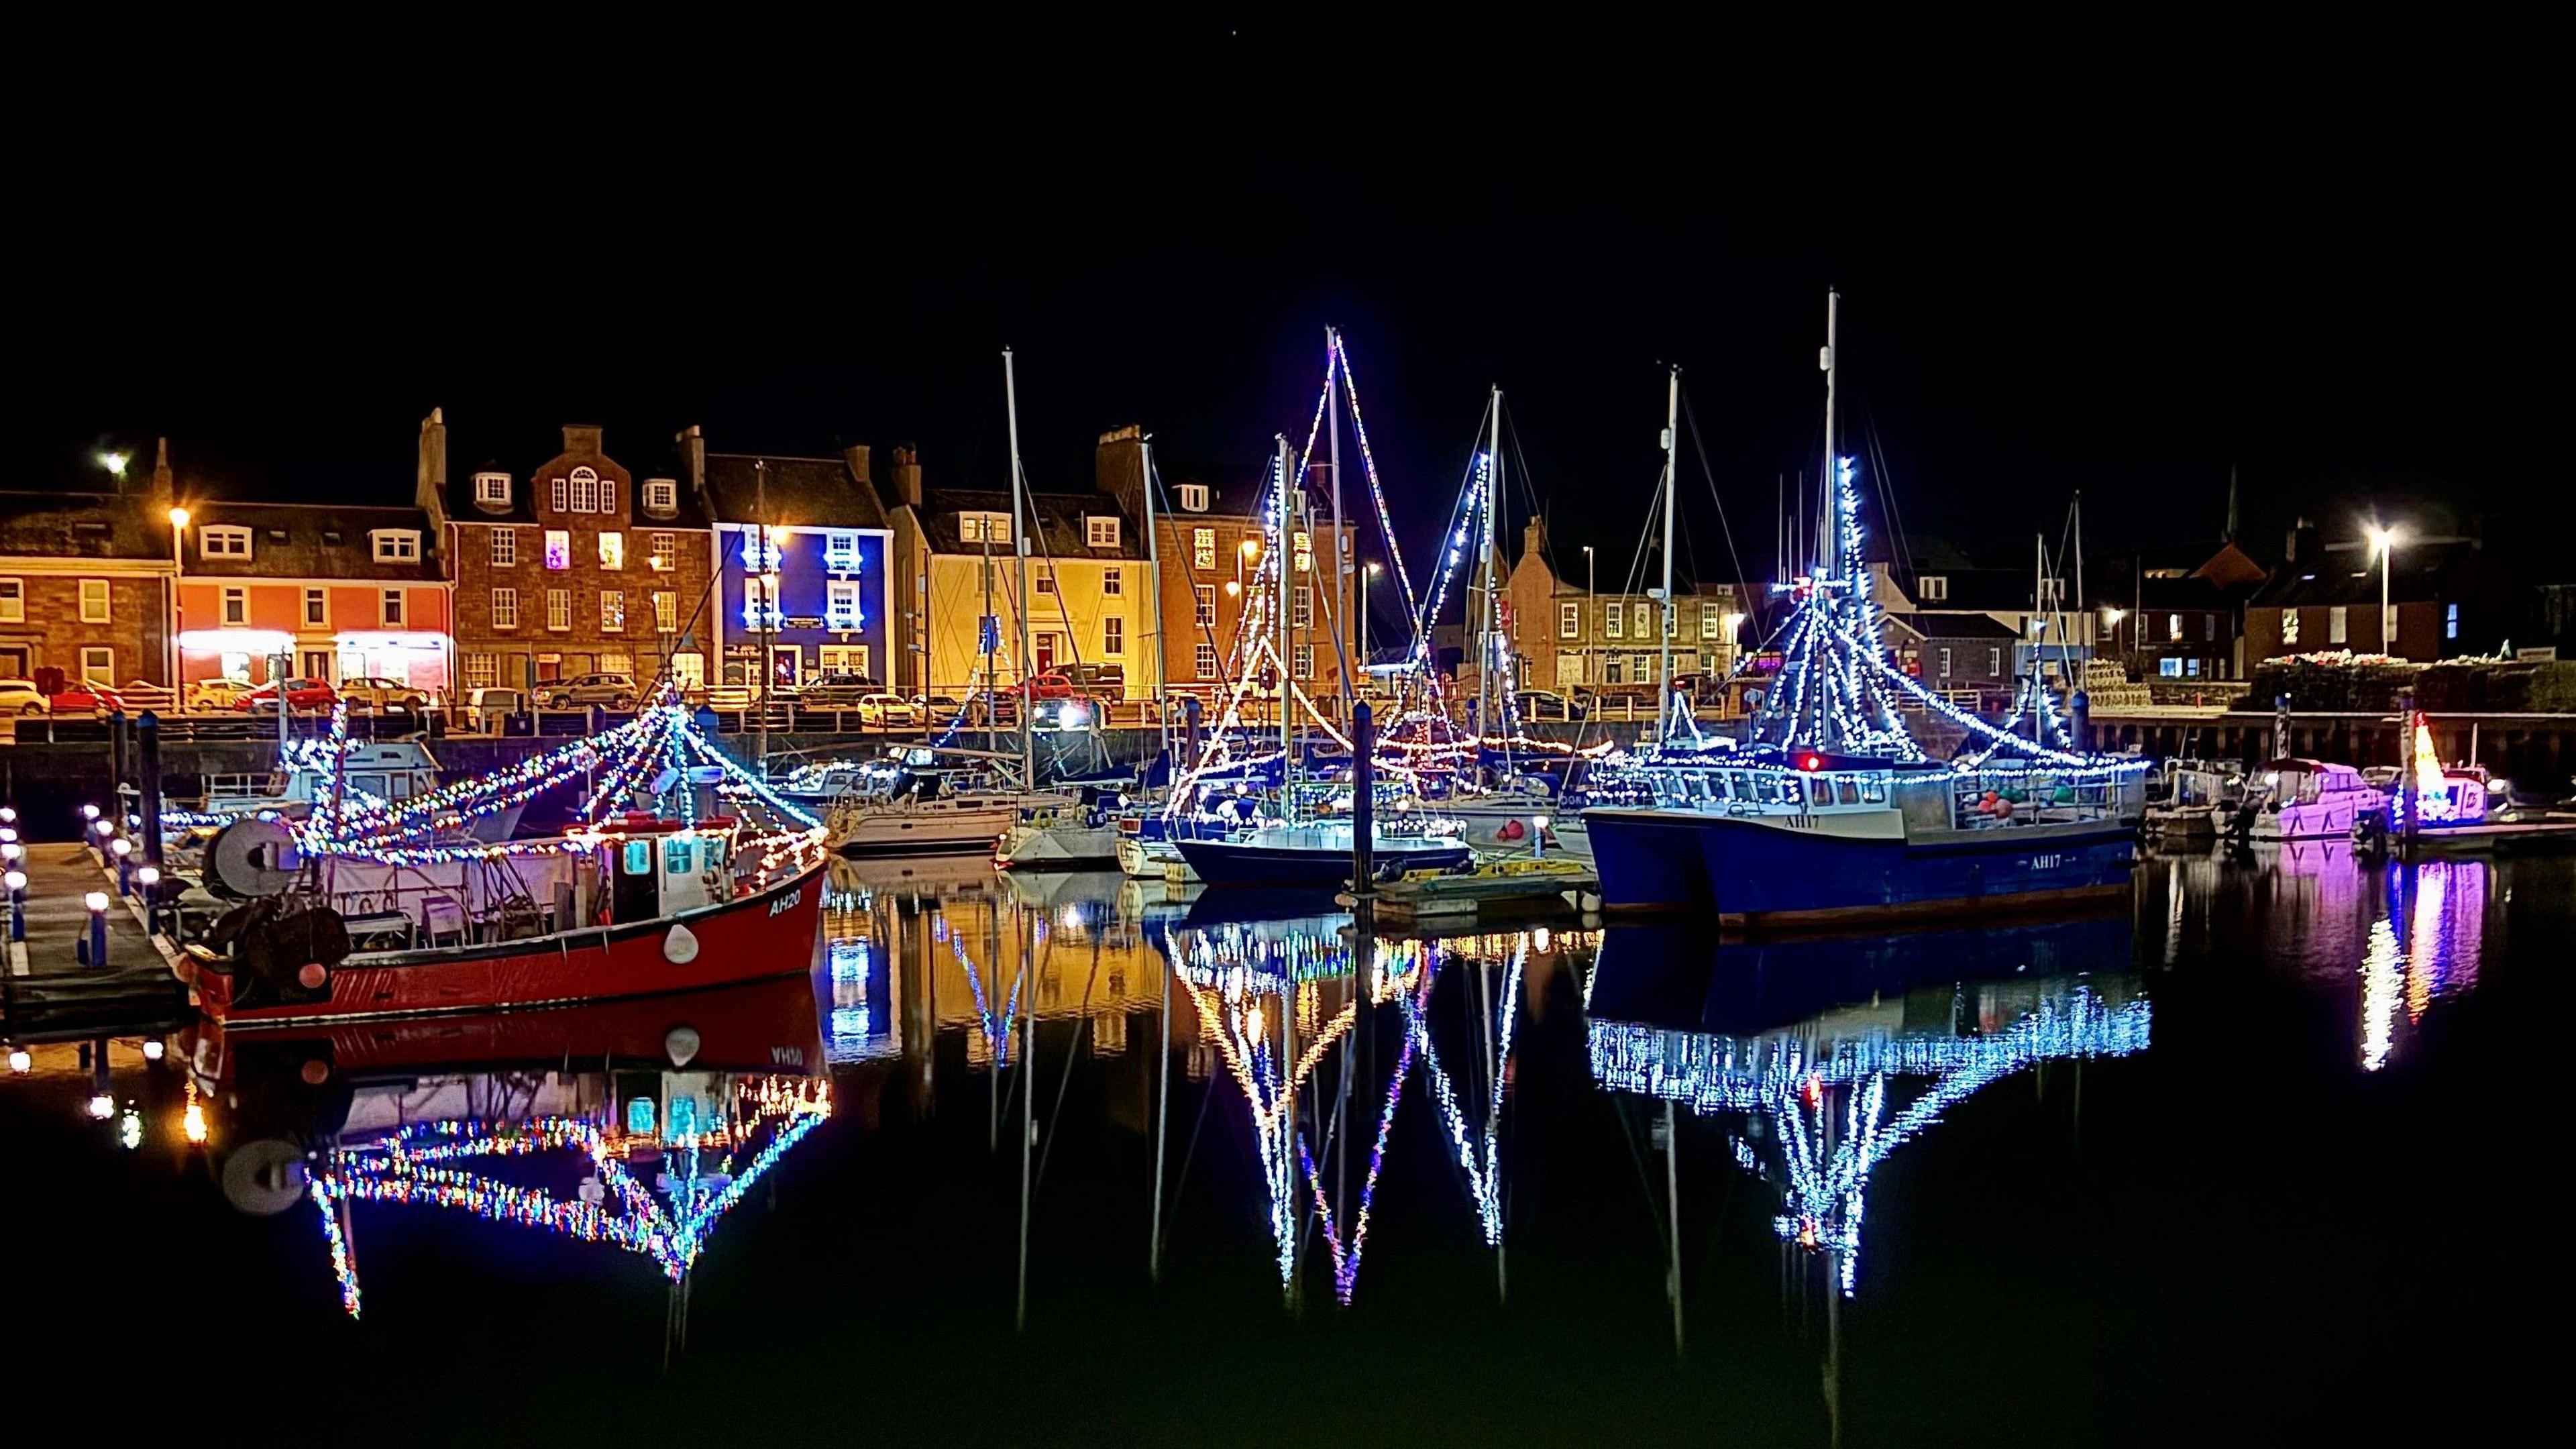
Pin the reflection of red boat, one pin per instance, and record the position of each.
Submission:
(757, 1027)
(659, 908)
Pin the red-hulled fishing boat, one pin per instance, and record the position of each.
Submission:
(380, 910)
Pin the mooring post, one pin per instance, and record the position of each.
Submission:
(1363, 803)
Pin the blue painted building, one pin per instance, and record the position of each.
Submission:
(803, 541)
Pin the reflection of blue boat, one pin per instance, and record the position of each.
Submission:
(1674, 975)
(1313, 857)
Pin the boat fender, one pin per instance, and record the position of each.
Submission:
(680, 1044)
(312, 976)
(680, 947)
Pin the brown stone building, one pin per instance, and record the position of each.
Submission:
(1570, 635)
(579, 568)
(1201, 531)
(85, 581)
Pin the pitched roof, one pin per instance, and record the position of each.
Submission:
(58, 524)
(1060, 534)
(807, 492)
(314, 541)
(1955, 626)
(2001, 591)
(2421, 571)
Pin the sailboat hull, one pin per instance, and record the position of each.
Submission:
(1777, 872)
(1301, 867)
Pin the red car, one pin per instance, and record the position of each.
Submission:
(76, 698)
(301, 694)
(1046, 686)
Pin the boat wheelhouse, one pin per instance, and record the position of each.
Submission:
(2305, 799)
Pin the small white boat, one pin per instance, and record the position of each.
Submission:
(972, 820)
(1050, 836)
(2312, 800)
(379, 771)
(2197, 798)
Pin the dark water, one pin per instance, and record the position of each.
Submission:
(2250, 1162)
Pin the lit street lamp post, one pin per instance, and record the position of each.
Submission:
(178, 570)
(2383, 541)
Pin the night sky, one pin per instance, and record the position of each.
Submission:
(2123, 288)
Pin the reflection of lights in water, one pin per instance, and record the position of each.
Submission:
(1791, 1080)
(129, 1129)
(849, 960)
(102, 1106)
(2379, 995)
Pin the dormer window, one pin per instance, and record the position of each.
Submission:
(395, 545)
(1100, 532)
(661, 497)
(221, 542)
(983, 528)
(1194, 498)
(492, 490)
(1935, 588)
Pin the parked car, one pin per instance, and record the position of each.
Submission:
(488, 706)
(888, 711)
(22, 697)
(301, 694)
(617, 691)
(834, 691)
(938, 709)
(77, 698)
(216, 693)
(367, 692)
(1546, 706)
(1050, 685)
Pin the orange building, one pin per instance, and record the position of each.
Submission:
(346, 592)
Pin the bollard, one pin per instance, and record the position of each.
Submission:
(1363, 801)
(123, 850)
(118, 757)
(148, 747)
(1538, 837)
(96, 956)
(148, 879)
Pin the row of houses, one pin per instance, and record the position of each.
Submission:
(717, 568)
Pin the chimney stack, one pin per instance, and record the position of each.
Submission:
(581, 440)
(856, 457)
(693, 456)
(2302, 548)
(429, 481)
(905, 475)
(1118, 468)
(1534, 540)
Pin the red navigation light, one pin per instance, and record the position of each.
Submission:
(1810, 760)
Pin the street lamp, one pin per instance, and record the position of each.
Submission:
(1367, 575)
(2111, 617)
(2383, 542)
(114, 462)
(178, 570)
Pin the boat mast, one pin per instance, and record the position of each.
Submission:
(1020, 548)
(2039, 647)
(1154, 591)
(1485, 692)
(1287, 643)
(1672, 422)
(1829, 552)
(2078, 607)
(1342, 562)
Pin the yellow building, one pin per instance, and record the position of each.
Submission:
(1091, 597)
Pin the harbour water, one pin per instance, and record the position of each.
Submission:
(1066, 1158)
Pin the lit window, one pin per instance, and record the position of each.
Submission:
(1936, 589)
(1112, 584)
(395, 545)
(558, 549)
(505, 608)
(612, 551)
(1203, 605)
(760, 601)
(236, 607)
(1304, 612)
(1643, 628)
(841, 608)
(2173, 627)
(1194, 497)
(612, 611)
(1203, 548)
(984, 527)
(94, 601)
(1113, 635)
(1046, 581)
(1100, 532)
(841, 551)
(2450, 621)
(559, 609)
(1708, 621)
(1305, 545)
(2289, 626)
(1610, 670)
(1305, 661)
(2169, 667)
(1205, 660)
(505, 548)
(492, 489)
(13, 601)
(666, 551)
(2191, 668)
(1569, 621)
(1615, 624)
(394, 610)
(661, 495)
(481, 670)
(666, 612)
(98, 665)
(223, 543)
(2338, 620)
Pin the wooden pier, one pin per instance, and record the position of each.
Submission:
(48, 991)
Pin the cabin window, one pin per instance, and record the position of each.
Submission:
(1820, 791)
(639, 857)
(1874, 790)
(677, 857)
(1849, 792)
